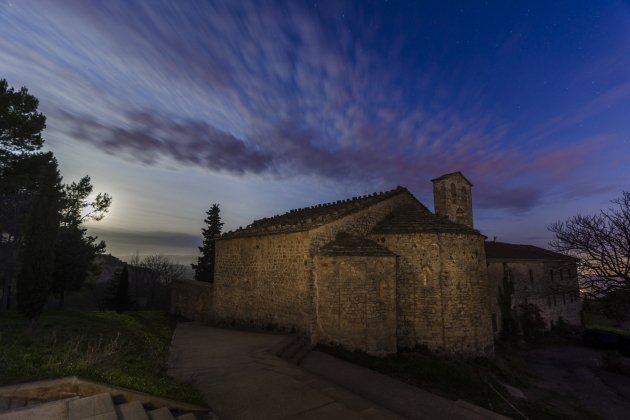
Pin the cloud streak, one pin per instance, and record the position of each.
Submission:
(247, 89)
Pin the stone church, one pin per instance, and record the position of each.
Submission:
(376, 273)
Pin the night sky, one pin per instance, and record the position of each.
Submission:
(267, 106)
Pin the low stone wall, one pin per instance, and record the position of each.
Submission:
(192, 299)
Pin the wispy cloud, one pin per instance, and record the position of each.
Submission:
(244, 88)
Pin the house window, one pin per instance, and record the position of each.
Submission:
(554, 301)
(453, 193)
(561, 274)
(551, 274)
(564, 299)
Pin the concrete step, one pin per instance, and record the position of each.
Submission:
(161, 414)
(281, 345)
(187, 416)
(131, 411)
(96, 406)
(53, 410)
(297, 358)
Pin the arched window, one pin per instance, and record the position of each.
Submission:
(464, 196)
(453, 193)
(425, 276)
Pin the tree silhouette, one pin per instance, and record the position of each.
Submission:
(601, 245)
(204, 269)
(37, 249)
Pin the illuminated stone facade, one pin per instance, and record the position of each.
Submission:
(375, 273)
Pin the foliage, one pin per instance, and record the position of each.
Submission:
(20, 123)
(20, 135)
(75, 250)
(531, 321)
(128, 350)
(37, 249)
(601, 244)
(509, 327)
(616, 304)
(122, 291)
(204, 269)
(165, 270)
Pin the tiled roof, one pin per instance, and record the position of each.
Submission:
(346, 244)
(414, 218)
(312, 217)
(502, 250)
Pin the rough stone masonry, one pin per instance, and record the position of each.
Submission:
(375, 273)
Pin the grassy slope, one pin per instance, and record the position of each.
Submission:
(475, 381)
(599, 321)
(128, 350)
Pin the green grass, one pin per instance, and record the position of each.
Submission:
(598, 321)
(128, 350)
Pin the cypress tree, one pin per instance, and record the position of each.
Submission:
(122, 291)
(204, 269)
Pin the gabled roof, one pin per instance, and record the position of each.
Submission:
(416, 217)
(502, 250)
(311, 217)
(449, 175)
(347, 244)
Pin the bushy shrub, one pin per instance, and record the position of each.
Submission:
(530, 319)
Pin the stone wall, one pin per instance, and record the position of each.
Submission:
(268, 280)
(356, 302)
(556, 295)
(262, 280)
(192, 299)
(453, 198)
(442, 292)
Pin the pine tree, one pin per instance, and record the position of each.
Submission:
(37, 250)
(204, 269)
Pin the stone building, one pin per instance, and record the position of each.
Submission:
(376, 273)
(542, 277)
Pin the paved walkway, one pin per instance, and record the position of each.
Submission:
(241, 379)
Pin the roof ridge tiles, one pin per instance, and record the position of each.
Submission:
(314, 215)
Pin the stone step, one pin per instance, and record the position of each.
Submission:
(53, 410)
(161, 414)
(187, 416)
(281, 345)
(131, 411)
(96, 406)
(297, 358)
(293, 348)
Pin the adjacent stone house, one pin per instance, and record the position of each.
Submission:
(376, 273)
(542, 277)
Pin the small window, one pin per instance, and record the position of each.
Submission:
(425, 276)
(564, 299)
(551, 274)
(453, 193)
(561, 274)
(531, 276)
(555, 303)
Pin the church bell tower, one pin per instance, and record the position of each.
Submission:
(453, 199)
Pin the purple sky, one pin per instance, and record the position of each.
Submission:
(266, 106)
